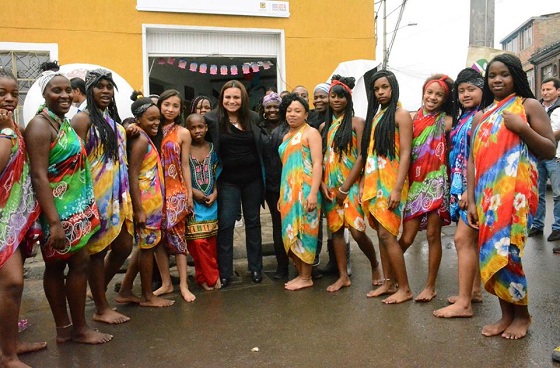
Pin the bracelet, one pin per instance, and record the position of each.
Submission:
(342, 192)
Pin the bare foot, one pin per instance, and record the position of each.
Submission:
(63, 334)
(127, 298)
(164, 289)
(496, 328)
(476, 298)
(156, 302)
(517, 329)
(376, 278)
(339, 284)
(301, 283)
(91, 337)
(218, 284)
(400, 296)
(89, 295)
(206, 287)
(387, 287)
(30, 347)
(427, 295)
(111, 317)
(454, 311)
(14, 363)
(295, 279)
(187, 295)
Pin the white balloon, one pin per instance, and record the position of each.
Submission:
(34, 98)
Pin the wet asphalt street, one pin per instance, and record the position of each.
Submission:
(313, 328)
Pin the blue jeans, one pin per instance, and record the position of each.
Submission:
(548, 169)
(230, 198)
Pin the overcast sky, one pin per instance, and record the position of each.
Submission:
(439, 43)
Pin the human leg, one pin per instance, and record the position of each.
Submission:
(410, 229)
(181, 260)
(282, 260)
(500, 326)
(397, 265)
(339, 246)
(145, 266)
(366, 246)
(433, 233)
(467, 256)
(126, 295)
(303, 280)
(55, 291)
(229, 202)
(251, 196)
(162, 260)
(554, 174)
(520, 324)
(76, 285)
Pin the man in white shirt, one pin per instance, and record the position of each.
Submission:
(550, 169)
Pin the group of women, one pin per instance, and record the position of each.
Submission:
(94, 192)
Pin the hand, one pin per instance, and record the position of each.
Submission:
(340, 198)
(394, 199)
(472, 215)
(6, 120)
(132, 130)
(326, 193)
(140, 218)
(199, 196)
(360, 191)
(513, 121)
(57, 239)
(463, 203)
(209, 200)
(310, 203)
(190, 203)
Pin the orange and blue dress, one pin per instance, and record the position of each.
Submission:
(506, 193)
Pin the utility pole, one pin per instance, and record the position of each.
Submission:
(482, 23)
(384, 65)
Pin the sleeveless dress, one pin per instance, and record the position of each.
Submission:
(299, 227)
(506, 195)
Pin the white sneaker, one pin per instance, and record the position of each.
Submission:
(239, 223)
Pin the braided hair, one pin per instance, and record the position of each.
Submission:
(140, 105)
(103, 132)
(196, 100)
(384, 135)
(342, 140)
(467, 75)
(166, 95)
(520, 82)
(5, 73)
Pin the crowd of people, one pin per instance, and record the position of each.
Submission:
(95, 191)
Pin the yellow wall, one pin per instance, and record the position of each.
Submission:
(318, 34)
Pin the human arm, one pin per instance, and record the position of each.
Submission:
(342, 192)
(39, 135)
(472, 215)
(138, 148)
(212, 197)
(404, 122)
(6, 143)
(538, 133)
(81, 122)
(315, 146)
(448, 123)
(186, 140)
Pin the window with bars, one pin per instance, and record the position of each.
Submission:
(25, 66)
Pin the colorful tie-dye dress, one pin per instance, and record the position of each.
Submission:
(428, 188)
(460, 139)
(380, 178)
(176, 194)
(150, 181)
(110, 184)
(70, 180)
(506, 193)
(18, 207)
(337, 167)
(299, 227)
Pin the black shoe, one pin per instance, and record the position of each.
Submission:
(256, 277)
(224, 281)
(535, 232)
(281, 273)
(556, 250)
(316, 273)
(554, 235)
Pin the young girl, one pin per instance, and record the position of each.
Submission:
(99, 126)
(147, 194)
(203, 225)
(385, 153)
(63, 186)
(299, 202)
(467, 96)
(175, 148)
(502, 186)
(428, 195)
(201, 105)
(342, 138)
(18, 212)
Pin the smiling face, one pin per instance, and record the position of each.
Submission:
(103, 93)
(232, 100)
(296, 115)
(171, 108)
(149, 121)
(382, 90)
(320, 100)
(469, 96)
(8, 94)
(202, 107)
(272, 111)
(58, 95)
(433, 97)
(500, 80)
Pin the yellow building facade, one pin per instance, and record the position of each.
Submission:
(304, 44)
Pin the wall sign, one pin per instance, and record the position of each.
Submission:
(253, 8)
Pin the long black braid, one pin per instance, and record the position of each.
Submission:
(103, 132)
(342, 140)
(520, 82)
(384, 135)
